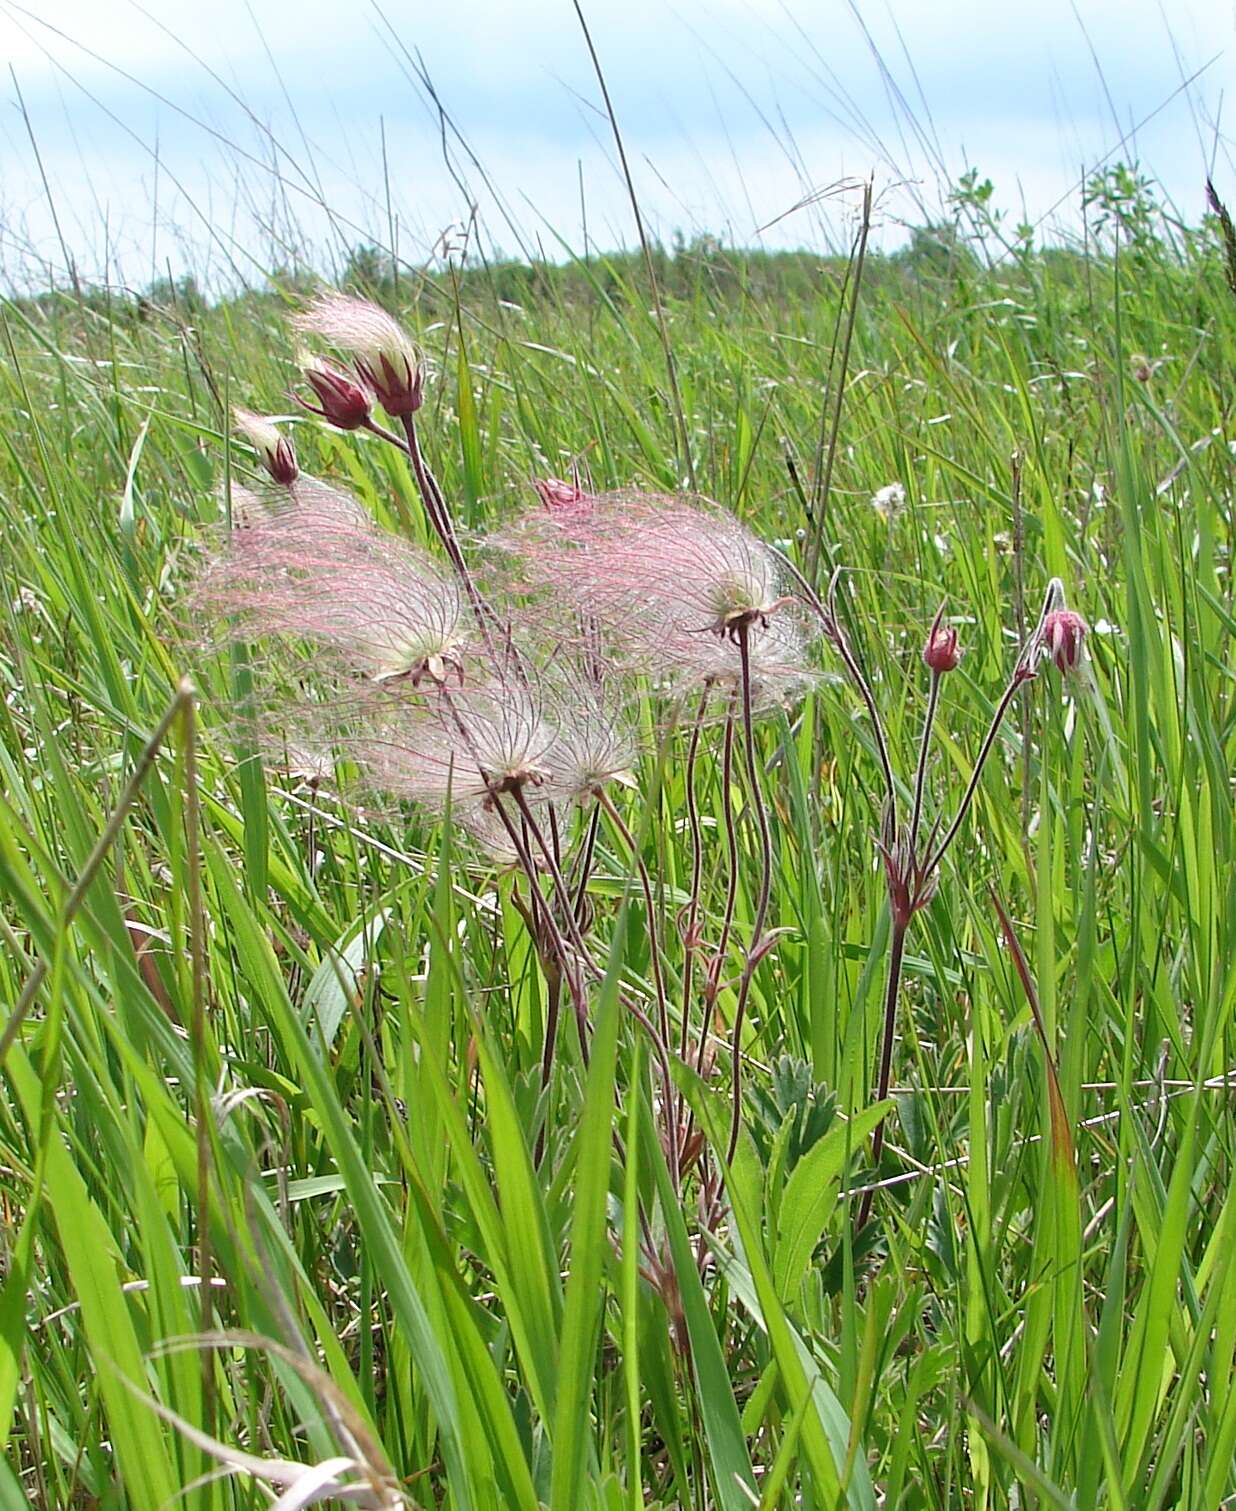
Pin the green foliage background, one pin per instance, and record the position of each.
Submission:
(328, 1065)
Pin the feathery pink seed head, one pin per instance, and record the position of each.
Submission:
(1064, 634)
(382, 353)
(342, 400)
(318, 569)
(670, 584)
(275, 451)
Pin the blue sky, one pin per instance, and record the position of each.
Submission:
(204, 135)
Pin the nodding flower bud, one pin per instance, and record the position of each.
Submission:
(342, 401)
(942, 652)
(1064, 632)
(275, 451)
(385, 359)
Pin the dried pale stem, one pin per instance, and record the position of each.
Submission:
(765, 887)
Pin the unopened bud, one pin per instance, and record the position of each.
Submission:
(275, 452)
(942, 652)
(342, 401)
(1064, 632)
(396, 377)
(385, 358)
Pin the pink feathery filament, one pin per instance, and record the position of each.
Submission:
(319, 570)
(667, 582)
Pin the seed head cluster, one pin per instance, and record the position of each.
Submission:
(669, 586)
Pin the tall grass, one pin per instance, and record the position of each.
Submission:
(269, 1127)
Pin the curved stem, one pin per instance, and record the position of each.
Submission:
(628, 839)
(731, 891)
(765, 887)
(920, 774)
(540, 902)
(697, 869)
(989, 740)
(582, 875)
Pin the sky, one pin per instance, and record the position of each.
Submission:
(229, 137)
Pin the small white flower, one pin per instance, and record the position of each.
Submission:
(889, 501)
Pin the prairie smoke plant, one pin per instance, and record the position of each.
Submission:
(384, 356)
(343, 401)
(274, 450)
(911, 863)
(671, 584)
(1064, 635)
(389, 368)
(319, 570)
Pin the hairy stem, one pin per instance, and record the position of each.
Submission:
(765, 887)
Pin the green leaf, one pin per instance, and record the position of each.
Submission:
(585, 1291)
(336, 982)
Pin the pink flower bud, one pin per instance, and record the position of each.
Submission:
(397, 379)
(386, 360)
(343, 402)
(274, 450)
(1063, 634)
(942, 652)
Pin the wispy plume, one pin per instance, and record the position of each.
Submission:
(319, 570)
(668, 583)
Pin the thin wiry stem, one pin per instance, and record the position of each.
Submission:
(662, 1039)
(823, 482)
(838, 636)
(920, 773)
(697, 867)
(754, 953)
(645, 881)
(891, 993)
(440, 517)
(539, 901)
(587, 960)
(989, 739)
(731, 889)
(583, 873)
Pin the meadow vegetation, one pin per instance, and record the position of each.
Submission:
(296, 1201)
